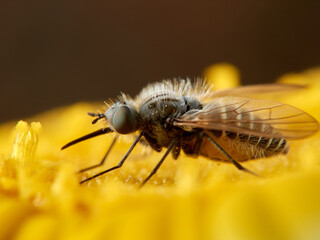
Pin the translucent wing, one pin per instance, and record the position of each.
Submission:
(268, 91)
(250, 116)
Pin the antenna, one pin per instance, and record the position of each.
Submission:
(98, 115)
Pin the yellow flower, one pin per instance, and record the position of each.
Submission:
(40, 197)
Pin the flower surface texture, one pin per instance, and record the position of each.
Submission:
(191, 198)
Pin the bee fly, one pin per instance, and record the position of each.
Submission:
(220, 125)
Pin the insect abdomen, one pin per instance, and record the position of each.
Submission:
(243, 147)
(272, 145)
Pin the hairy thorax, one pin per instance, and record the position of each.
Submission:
(157, 110)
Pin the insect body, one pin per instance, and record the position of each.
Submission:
(220, 125)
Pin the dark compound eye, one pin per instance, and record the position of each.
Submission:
(124, 120)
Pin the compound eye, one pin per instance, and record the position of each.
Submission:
(124, 120)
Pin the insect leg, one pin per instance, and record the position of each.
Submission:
(103, 159)
(172, 144)
(121, 161)
(176, 150)
(197, 144)
(238, 165)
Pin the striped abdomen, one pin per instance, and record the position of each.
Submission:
(272, 145)
(242, 147)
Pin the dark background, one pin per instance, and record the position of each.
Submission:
(54, 53)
